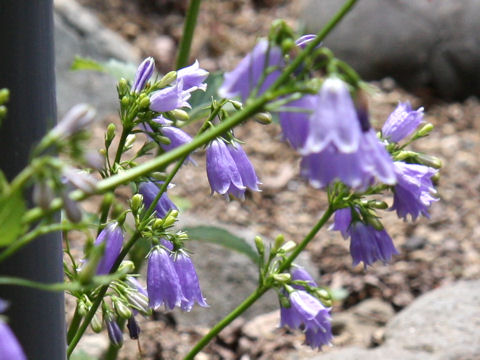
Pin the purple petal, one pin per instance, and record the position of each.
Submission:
(144, 72)
(296, 125)
(112, 236)
(149, 191)
(192, 77)
(402, 122)
(9, 346)
(170, 98)
(188, 282)
(244, 166)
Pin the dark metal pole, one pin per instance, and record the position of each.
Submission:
(27, 69)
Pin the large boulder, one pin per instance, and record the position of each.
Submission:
(419, 43)
(79, 32)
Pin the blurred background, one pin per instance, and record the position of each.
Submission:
(425, 52)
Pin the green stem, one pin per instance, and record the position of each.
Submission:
(188, 29)
(260, 290)
(74, 324)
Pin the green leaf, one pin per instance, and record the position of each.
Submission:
(117, 69)
(12, 208)
(219, 236)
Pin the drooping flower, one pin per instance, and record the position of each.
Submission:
(176, 136)
(133, 328)
(228, 169)
(137, 296)
(402, 122)
(334, 122)
(413, 192)
(193, 77)
(9, 346)
(170, 98)
(244, 166)
(358, 170)
(307, 313)
(163, 284)
(188, 282)
(296, 124)
(248, 73)
(149, 190)
(112, 236)
(368, 245)
(144, 72)
(114, 332)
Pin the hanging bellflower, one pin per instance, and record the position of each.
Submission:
(188, 281)
(296, 124)
(112, 236)
(413, 192)
(163, 284)
(177, 136)
(149, 191)
(248, 74)
(229, 170)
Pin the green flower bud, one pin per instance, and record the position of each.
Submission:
(287, 44)
(236, 104)
(429, 160)
(159, 176)
(424, 130)
(163, 140)
(126, 266)
(372, 220)
(167, 79)
(82, 308)
(279, 240)
(130, 140)
(263, 118)
(377, 204)
(322, 294)
(110, 135)
(122, 310)
(3, 111)
(259, 245)
(4, 96)
(288, 246)
(170, 219)
(402, 155)
(282, 278)
(157, 224)
(180, 114)
(125, 101)
(122, 87)
(136, 203)
(96, 324)
(144, 103)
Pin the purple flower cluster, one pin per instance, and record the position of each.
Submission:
(307, 313)
(367, 244)
(172, 280)
(149, 191)
(9, 346)
(229, 170)
(189, 79)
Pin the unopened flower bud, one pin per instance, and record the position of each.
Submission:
(144, 103)
(82, 308)
(3, 111)
(180, 114)
(404, 154)
(171, 218)
(279, 240)
(373, 221)
(130, 140)
(377, 204)
(136, 203)
(236, 104)
(435, 178)
(76, 119)
(72, 210)
(43, 195)
(159, 176)
(259, 245)
(287, 44)
(144, 73)
(133, 328)
(263, 118)
(110, 135)
(288, 246)
(424, 130)
(81, 180)
(167, 79)
(282, 278)
(157, 224)
(122, 87)
(126, 266)
(121, 310)
(164, 140)
(114, 333)
(322, 294)
(125, 101)
(94, 160)
(96, 324)
(4, 96)
(429, 160)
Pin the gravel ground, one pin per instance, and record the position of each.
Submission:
(432, 252)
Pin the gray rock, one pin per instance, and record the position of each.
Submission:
(419, 43)
(227, 277)
(78, 32)
(443, 324)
